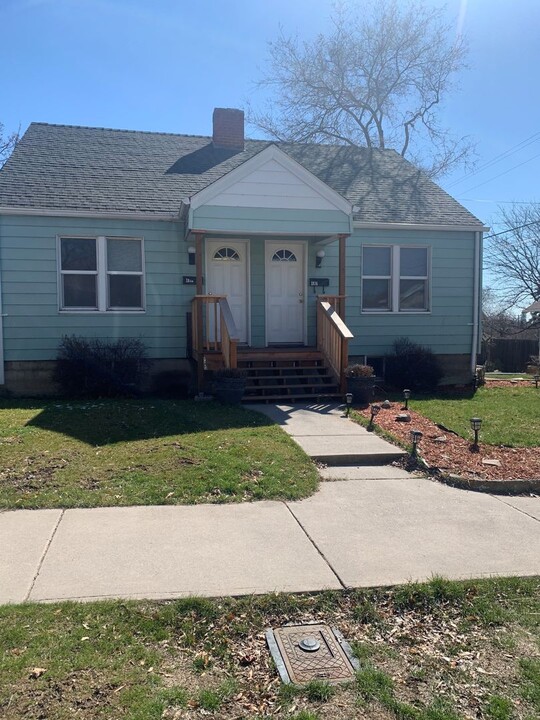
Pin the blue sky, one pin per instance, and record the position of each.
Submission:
(165, 64)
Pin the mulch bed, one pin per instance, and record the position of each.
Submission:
(507, 383)
(452, 454)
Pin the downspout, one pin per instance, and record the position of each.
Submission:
(476, 303)
(2, 376)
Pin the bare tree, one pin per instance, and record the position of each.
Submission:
(7, 144)
(377, 78)
(514, 256)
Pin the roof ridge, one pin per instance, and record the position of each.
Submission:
(119, 130)
(292, 143)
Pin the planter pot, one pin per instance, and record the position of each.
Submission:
(229, 391)
(362, 389)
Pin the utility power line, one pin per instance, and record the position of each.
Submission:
(501, 202)
(498, 158)
(514, 167)
(508, 230)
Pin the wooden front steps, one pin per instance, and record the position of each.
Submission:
(286, 375)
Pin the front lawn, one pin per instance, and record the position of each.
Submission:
(510, 415)
(144, 452)
(438, 651)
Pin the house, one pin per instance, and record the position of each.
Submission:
(230, 252)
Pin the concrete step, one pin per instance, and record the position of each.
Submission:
(366, 449)
(364, 472)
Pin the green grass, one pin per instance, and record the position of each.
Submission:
(508, 376)
(144, 452)
(510, 416)
(134, 660)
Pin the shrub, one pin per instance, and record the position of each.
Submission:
(90, 366)
(359, 371)
(412, 366)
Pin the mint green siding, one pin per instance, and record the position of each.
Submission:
(448, 327)
(33, 325)
(269, 220)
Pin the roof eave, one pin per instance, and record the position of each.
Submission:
(443, 227)
(104, 214)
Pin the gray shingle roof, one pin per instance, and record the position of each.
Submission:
(62, 167)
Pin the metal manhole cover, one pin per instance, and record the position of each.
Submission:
(311, 652)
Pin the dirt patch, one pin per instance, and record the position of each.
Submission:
(84, 694)
(38, 473)
(443, 449)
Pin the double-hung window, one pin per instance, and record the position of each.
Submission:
(395, 278)
(101, 274)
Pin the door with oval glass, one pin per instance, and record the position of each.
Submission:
(285, 292)
(226, 274)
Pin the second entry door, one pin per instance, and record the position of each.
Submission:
(285, 297)
(226, 274)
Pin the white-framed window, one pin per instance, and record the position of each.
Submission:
(395, 278)
(101, 274)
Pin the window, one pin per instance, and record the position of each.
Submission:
(395, 278)
(284, 256)
(101, 274)
(226, 253)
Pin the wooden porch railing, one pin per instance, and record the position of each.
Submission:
(333, 337)
(213, 330)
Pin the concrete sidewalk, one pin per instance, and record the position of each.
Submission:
(373, 531)
(374, 525)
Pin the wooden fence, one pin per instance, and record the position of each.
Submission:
(508, 355)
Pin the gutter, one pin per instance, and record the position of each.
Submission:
(419, 226)
(46, 212)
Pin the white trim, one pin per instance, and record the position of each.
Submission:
(418, 226)
(305, 252)
(204, 196)
(247, 244)
(170, 217)
(325, 238)
(101, 275)
(395, 278)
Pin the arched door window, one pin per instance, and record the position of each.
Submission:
(284, 256)
(226, 253)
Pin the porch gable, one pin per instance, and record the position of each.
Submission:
(270, 193)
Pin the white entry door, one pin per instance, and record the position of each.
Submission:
(226, 274)
(285, 292)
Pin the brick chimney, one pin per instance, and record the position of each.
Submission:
(228, 128)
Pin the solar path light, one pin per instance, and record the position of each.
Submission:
(476, 424)
(375, 410)
(406, 395)
(416, 436)
(348, 400)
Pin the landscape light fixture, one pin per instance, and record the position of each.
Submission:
(319, 258)
(406, 395)
(536, 379)
(375, 410)
(416, 436)
(476, 424)
(348, 400)
(191, 252)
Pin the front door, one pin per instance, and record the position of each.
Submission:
(226, 274)
(285, 292)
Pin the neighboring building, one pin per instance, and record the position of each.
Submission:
(111, 233)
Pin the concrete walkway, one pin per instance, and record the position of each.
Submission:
(328, 436)
(382, 526)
